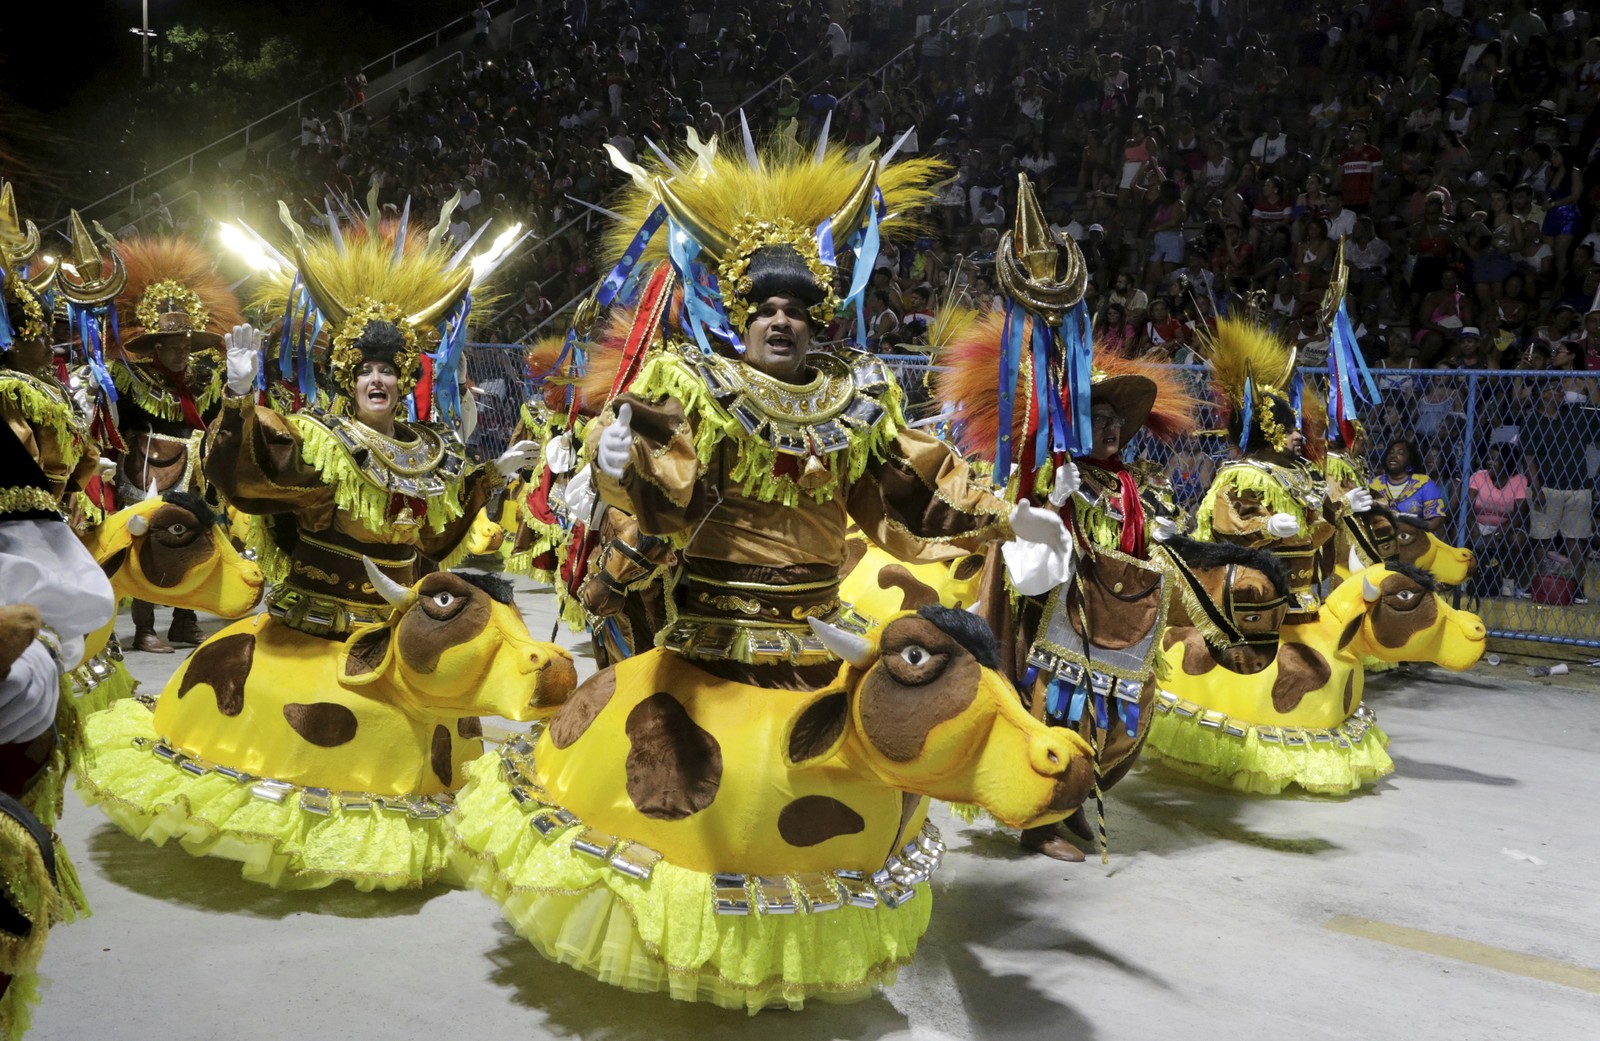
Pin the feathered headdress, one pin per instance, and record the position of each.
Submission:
(381, 274)
(1145, 393)
(731, 228)
(1253, 377)
(173, 294)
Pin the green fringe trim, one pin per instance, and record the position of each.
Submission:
(663, 934)
(1248, 764)
(353, 491)
(16, 1008)
(43, 410)
(272, 560)
(45, 801)
(665, 375)
(1248, 479)
(164, 404)
(1339, 468)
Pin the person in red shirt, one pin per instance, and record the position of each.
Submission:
(1359, 166)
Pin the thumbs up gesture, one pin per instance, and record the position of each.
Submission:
(616, 444)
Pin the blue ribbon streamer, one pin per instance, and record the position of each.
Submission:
(1010, 369)
(446, 382)
(1247, 413)
(1078, 347)
(1102, 715)
(623, 272)
(1054, 698)
(8, 335)
(1079, 697)
(1345, 363)
(702, 306)
(1129, 711)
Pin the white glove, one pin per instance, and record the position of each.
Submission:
(244, 358)
(616, 444)
(1067, 481)
(579, 495)
(1040, 558)
(1163, 528)
(518, 457)
(106, 469)
(560, 455)
(1573, 397)
(1358, 499)
(28, 695)
(1283, 526)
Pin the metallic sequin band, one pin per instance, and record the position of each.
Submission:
(809, 892)
(1345, 735)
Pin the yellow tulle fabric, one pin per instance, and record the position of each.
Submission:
(663, 934)
(91, 697)
(1249, 764)
(279, 844)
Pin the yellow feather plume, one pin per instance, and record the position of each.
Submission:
(726, 190)
(1238, 350)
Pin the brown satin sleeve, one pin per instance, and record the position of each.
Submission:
(922, 503)
(252, 456)
(84, 472)
(662, 485)
(480, 484)
(1240, 515)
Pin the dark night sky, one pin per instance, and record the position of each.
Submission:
(63, 68)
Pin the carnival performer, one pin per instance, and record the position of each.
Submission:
(1070, 647)
(749, 799)
(1272, 497)
(52, 596)
(172, 314)
(350, 509)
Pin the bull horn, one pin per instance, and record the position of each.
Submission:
(1369, 592)
(151, 492)
(391, 591)
(843, 645)
(711, 238)
(138, 524)
(848, 216)
(452, 295)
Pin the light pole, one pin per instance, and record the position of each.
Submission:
(144, 34)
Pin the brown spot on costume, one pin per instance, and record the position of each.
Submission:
(582, 708)
(814, 819)
(818, 727)
(440, 755)
(224, 664)
(674, 767)
(1301, 670)
(324, 724)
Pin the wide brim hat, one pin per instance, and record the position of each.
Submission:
(173, 329)
(1133, 396)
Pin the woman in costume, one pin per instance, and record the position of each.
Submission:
(349, 509)
(1055, 636)
(1272, 497)
(172, 314)
(803, 875)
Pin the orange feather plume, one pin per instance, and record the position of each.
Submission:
(174, 259)
(965, 382)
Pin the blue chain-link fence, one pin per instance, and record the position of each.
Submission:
(1505, 463)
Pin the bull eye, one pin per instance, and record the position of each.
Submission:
(1252, 618)
(915, 656)
(1404, 536)
(442, 605)
(178, 530)
(1405, 599)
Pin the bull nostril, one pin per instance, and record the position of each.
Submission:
(1055, 760)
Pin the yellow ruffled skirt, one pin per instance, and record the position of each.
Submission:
(662, 933)
(285, 836)
(1265, 760)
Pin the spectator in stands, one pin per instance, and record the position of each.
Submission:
(1404, 488)
(1114, 330)
(1498, 501)
(1555, 437)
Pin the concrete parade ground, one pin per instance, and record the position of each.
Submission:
(1455, 900)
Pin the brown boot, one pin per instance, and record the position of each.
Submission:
(1078, 824)
(185, 629)
(1051, 843)
(144, 629)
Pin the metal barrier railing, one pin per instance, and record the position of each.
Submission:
(1507, 464)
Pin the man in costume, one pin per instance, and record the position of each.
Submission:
(1083, 659)
(729, 436)
(172, 314)
(1272, 497)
